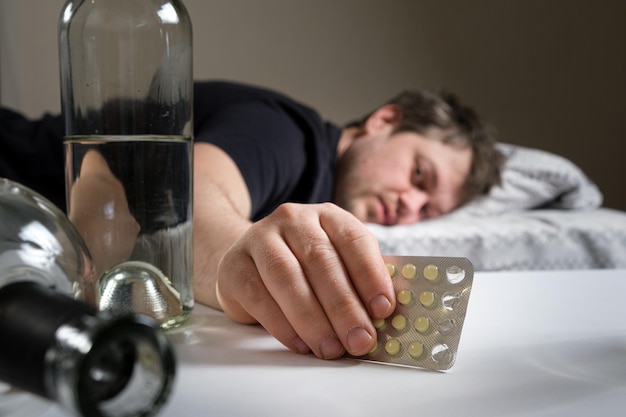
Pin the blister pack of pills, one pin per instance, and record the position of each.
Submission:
(432, 295)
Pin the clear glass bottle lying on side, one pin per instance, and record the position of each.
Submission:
(61, 348)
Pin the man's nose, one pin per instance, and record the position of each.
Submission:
(412, 206)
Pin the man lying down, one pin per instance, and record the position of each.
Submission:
(281, 197)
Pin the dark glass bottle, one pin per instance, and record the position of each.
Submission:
(61, 348)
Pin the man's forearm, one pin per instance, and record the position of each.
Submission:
(217, 225)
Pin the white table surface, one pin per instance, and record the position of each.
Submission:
(534, 344)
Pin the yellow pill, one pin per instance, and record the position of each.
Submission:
(427, 298)
(379, 323)
(399, 322)
(392, 347)
(392, 270)
(409, 271)
(416, 349)
(374, 350)
(405, 297)
(421, 324)
(431, 272)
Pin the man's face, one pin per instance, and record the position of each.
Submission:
(400, 178)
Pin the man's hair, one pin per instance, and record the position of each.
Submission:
(442, 117)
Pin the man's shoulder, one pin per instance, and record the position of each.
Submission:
(234, 90)
(212, 96)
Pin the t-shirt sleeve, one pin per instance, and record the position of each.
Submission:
(265, 143)
(31, 153)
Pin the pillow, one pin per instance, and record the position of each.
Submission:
(532, 179)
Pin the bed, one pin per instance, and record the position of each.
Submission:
(546, 215)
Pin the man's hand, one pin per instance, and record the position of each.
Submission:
(312, 275)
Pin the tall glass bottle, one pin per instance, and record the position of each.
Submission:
(127, 100)
(56, 346)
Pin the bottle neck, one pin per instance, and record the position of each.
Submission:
(30, 314)
(115, 367)
(62, 349)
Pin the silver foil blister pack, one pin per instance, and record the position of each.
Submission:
(432, 295)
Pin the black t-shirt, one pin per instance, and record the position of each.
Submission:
(31, 153)
(284, 150)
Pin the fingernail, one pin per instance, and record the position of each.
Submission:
(300, 346)
(359, 341)
(331, 348)
(380, 306)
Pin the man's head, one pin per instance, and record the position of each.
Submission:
(419, 156)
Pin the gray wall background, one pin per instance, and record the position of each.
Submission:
(548, 74)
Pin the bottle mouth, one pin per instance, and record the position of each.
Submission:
(118, 367)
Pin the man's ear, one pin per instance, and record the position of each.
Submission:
(384, 119)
